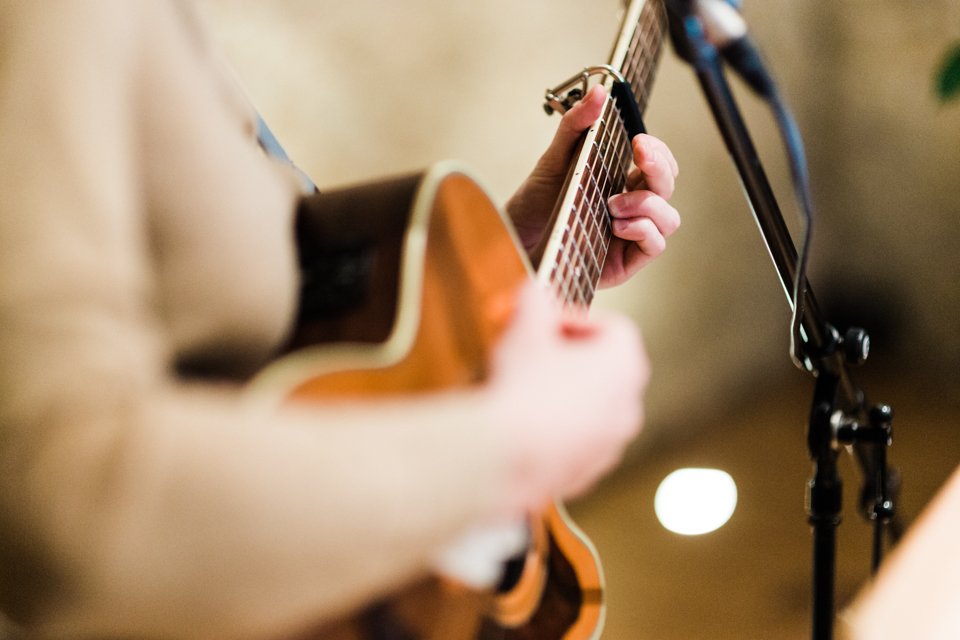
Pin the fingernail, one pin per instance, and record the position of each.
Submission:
(615, 203)
(652, 157)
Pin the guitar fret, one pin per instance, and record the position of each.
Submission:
(646, 40)
(565, 271)
(573, 274)
(579, 259)
(630, 70)
(573, 269)
(575, 256)
(585, 201)
(592, 254)
(570, 262)
(597, 217)
(591, 215)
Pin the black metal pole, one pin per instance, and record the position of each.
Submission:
(824, 506)
(840, 411)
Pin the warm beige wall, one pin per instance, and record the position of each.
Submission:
(369, 87)
(885, 155)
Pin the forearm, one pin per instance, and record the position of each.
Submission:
(212, 522)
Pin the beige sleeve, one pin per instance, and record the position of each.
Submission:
(914, 595)
(135, 505)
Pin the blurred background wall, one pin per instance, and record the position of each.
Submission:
(362, 89)
(367, 88)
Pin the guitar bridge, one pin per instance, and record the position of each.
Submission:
(561, 98)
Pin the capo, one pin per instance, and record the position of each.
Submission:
(562, 97)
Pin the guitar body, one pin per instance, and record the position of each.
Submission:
(440, 271)
(408, 286)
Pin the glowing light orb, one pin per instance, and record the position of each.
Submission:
(695, 501)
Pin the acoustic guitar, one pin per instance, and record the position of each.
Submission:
(407, 285)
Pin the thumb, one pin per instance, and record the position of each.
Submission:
(574, 122)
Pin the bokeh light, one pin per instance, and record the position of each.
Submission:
(695, 501)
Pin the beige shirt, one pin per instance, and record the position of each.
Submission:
(140, 226)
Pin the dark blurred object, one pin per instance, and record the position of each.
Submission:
(948, 75)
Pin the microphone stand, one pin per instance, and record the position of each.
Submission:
(840, 416)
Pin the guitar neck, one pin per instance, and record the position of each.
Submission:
(576, 250)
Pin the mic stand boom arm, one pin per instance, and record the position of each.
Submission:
(840, 416)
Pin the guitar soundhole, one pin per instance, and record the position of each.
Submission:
(512, 572)
(334, 282)
(559, 608)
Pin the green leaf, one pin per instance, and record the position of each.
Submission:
(948, 77)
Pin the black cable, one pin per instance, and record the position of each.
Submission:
(793, 143)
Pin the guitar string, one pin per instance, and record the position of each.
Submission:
(577, 280)
(644, 50)
(572, 256)
(605, 175)
(591, 218)
(574, 278)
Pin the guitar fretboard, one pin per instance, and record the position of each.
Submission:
(577, 249)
